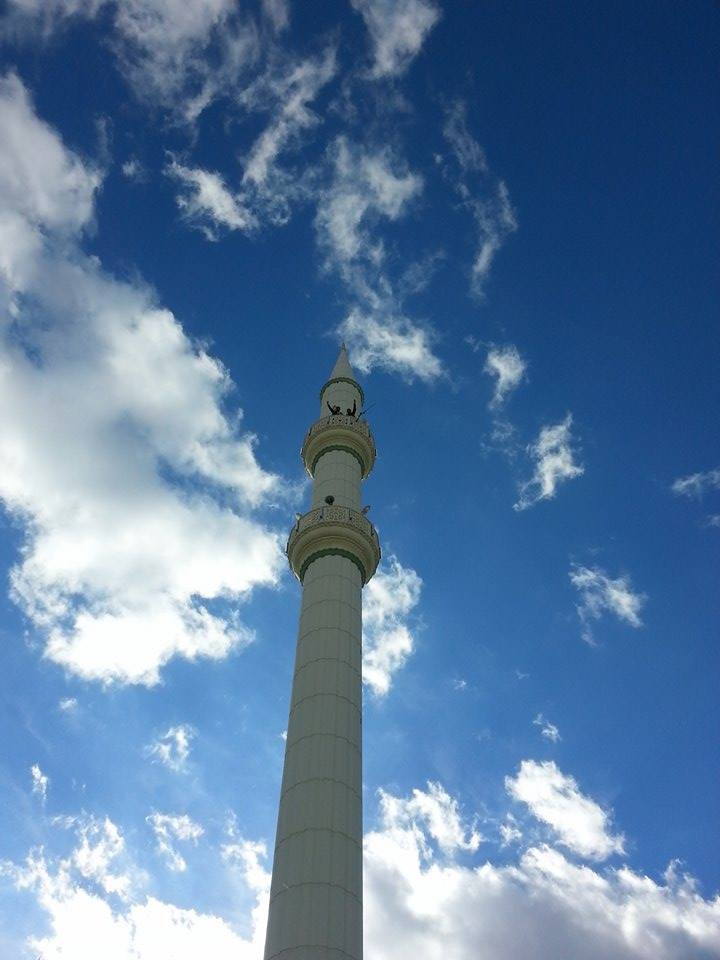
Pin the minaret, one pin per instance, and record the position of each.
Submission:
(316, 891)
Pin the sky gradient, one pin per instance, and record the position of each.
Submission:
(509, 213)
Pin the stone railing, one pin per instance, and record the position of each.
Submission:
(339, 432)
(338, 420)
(333, 530)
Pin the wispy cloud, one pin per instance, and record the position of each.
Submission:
(168, 829)
(554, 464)
(398, 29)
(505, 364)
(367, 187)
(696, 484)
(485, 196)
(172, 749)
(601, 594)
(554, 798)
(174, 54)
(40, 782)
(388, 602)
(547, 729)
(207, 203)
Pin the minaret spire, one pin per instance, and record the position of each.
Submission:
(316, 891)
(342, 366)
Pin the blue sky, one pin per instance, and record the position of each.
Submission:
(509, 213)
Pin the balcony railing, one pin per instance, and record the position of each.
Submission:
(335, 514)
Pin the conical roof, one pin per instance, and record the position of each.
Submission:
(342, 366)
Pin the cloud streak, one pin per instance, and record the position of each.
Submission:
(600, 594)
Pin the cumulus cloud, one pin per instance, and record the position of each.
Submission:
(547, 729)
(82, 909)
(172, 749)
(554, 464)
(601, 594)
(388, 601)
(40, 782)
(696, 484)
(432, 812)
(554, 798)
(428, 891)
(508, 368)
(481, 193)
(423, 903)
(106, 402)
(398, 29)
(169, 828)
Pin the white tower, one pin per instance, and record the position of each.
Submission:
(316, 892)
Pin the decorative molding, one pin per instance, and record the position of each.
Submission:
(344, 449)
(345, 380)
(334, 531)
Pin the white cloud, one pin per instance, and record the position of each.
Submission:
(162, 46)
(105, 400)
(284, 91)
(206, 202)
(249, 857)
(132, 169)
(580, 823)
(168, 828)
(485, 197)
(172, 749)
(600, 594)
(389, 599)
(433, 812)
(82, 912)
(547, 729)
(288, 93)
(369, 186)
(422, 904)
(509, 831)
(696, 484)
(40, 782)
(427, 894)
(101, 845)
(68, 704)
(277, 12)
(554, 464)
(366, 186)
(398, 29)
(508, 368)
(392, 343)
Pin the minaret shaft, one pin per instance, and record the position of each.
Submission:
(316, 891)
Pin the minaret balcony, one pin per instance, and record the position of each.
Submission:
(338, 432)
(334, 531)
